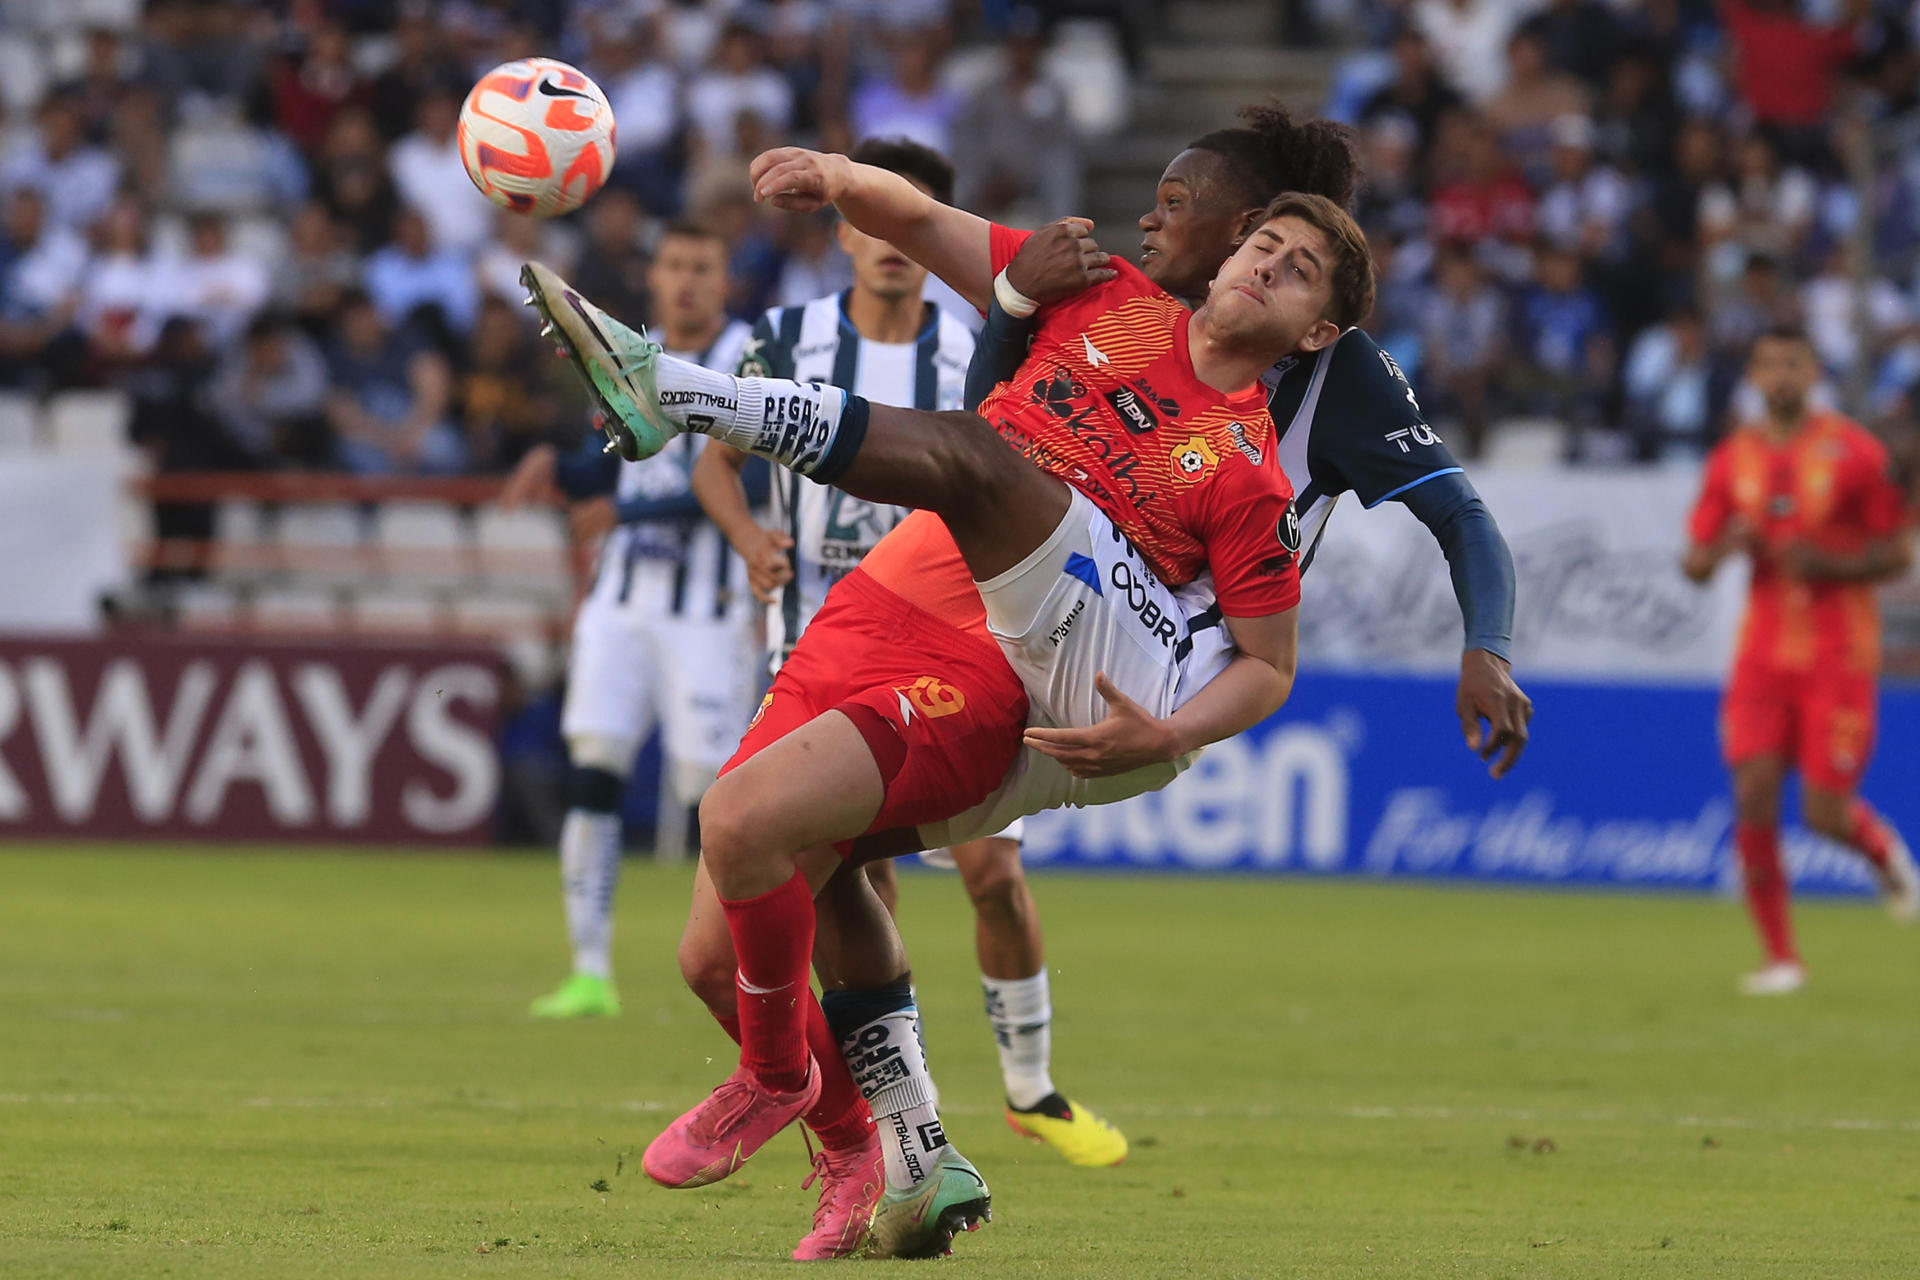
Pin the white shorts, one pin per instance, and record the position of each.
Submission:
(943, 856)
(636, 665)
(1084, 603)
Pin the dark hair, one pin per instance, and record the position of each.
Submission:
(1270, 153)
(1781, 333)
(910, 160)
(689, 229)
(1352, 266)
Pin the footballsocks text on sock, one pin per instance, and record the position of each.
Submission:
(796, 424)
(1021, 1011)
(890, 1066)
(589, 874)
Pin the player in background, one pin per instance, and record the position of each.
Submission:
(1346, 417)
(1808, 497)
(663, 637)
(1072, 576)
(882, 340)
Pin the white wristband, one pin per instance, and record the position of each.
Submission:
(1012, 301)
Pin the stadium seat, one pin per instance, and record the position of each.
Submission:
(23, 74)
(261, 238)
(397, 613)
(1530, 443)
(1085, 58)
(311, 537)
(91, 423)
(296, 611)
(527, 548)
(19, 424)
(430, 538)
(206, 606)
(518, 625)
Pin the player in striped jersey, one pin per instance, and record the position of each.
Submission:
(663, 636)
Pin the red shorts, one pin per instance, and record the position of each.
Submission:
(939, 707)
(1819, 722)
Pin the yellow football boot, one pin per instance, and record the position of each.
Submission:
(1072, 1130)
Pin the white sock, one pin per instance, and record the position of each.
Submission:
(589, 873)
(792, 423)
(889, 1063)
(1021, 1011)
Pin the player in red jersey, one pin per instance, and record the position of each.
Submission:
(1066, 591)
(1808, 498)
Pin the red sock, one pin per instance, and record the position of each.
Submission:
(1867, 832)
(773, 946)
(841, 1118)
(1766, 887)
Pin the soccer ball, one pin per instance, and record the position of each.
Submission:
(536, 137)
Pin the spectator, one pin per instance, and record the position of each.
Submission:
(1417, 90)
(753, 266)
(390, 400)
(214, 285)
(1480, 201)
(304, 91)
(173, 420)
(908, 102)
(1766, 208)
(503, 411)
(428, 174)
(1014, 147)
(642, 90)
(77, 179)
(197, 52)
(122, 292)
(309, 280)
(1522, 113)
(1469, 39)
(1760, 301)
(518, 237)
(1785, 68)
(270, 393)
(421, 66)
(1563, 348)
(1674, 394)
(1678, 191)
(40, 267)
(1635, 125)
(1585, 208)
(1389, 201)
(613, 266)
(1579, 37)
(411, 274)
(1852, 313)
(814, 265)
(1463, 347)
(102, 86)
(139, 145)
(738, 80)
(351, 181)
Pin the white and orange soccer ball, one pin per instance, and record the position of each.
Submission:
(537, 136)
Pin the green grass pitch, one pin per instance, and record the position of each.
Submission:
(225, 1064)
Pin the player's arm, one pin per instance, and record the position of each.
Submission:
(1056, 262)
(1377, 442)
(951, 243)
(1493, 709)
(1879, 504)
(1715, 530)
(1253, 685)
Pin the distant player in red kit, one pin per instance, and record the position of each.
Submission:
(1809, 498)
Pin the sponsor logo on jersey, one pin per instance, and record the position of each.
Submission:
(1393, 366)
(1138, 593)
(1095, 356)
(932, 698)
(1059, 633)
(1419, 433)
(1193, 459)
(1238, 430)
(1132, 408)
(1059, 391)
(1288, 530)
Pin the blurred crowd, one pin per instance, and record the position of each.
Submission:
(1585, 211)
(253, 217)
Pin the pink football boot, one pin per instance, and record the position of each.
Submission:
(852, 1181)
(722, 1133)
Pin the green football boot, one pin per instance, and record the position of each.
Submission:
(580, 996)
(616, 362)
(921, 1222)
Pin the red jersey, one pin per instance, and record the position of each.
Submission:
(1109, 402)
(1828, 486)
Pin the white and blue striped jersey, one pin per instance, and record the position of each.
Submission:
(707, 578)
(831, 530)
(1376, 440)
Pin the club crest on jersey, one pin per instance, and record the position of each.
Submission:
(1193, 459)
(1059, 392)
(760, 714)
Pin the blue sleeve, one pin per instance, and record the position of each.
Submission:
(1477, 556)
(589, 471)
(998, 355)
(1369, 434)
